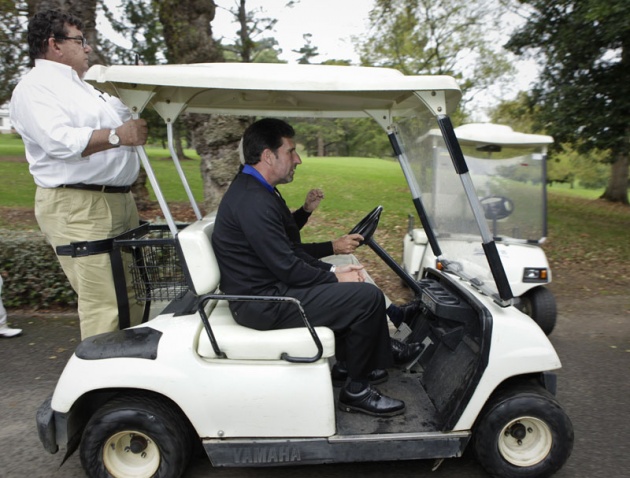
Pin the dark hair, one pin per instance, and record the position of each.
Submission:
(46, 24)
(263, 134)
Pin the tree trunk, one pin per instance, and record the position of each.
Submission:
(188, 35)
(321, 148)
(216, 139)
(617, 189)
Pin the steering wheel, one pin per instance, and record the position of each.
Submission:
(497, 207)
(367, 226)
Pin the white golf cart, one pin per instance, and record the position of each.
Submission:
(139, 401)
(508, 170)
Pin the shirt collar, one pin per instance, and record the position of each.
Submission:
(60, 68)
(249, 169)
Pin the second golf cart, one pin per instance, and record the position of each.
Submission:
(508, 170)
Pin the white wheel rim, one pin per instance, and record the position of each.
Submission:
(121, 462)
(525, 441)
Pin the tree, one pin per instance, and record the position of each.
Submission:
(437, 37)
(12, 45)
(583, 92)
(251, 44)
(188, 36)
(308, 51)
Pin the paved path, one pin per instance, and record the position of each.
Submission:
(592, 339)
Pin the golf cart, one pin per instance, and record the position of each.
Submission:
(139, 401)
(508, 170)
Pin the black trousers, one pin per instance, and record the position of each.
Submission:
(354, 311)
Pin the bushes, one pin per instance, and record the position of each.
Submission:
(33, 277)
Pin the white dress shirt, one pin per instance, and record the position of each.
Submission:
(56, 112)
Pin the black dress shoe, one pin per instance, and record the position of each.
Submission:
(339, 374)
(404, 313)
(371, 402)
(405, 353)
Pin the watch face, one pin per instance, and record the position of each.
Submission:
(113, 138)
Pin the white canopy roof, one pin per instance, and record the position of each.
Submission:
(275, 89)
(489, 133)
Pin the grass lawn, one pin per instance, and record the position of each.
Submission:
(580, 226)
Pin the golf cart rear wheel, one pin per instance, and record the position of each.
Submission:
(136, 436)
(540, 304)
(523, 433)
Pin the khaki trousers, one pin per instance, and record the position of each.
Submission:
(73, 215)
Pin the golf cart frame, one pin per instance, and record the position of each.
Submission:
(139, 400)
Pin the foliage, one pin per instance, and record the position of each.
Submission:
(34, 277)
(307, 51)
(588, 169)
(140, 26)
(12, 45)
(583, 92)
(342, 137)
(252, 43)
(443, 37)
(519, 114)
(565, 164)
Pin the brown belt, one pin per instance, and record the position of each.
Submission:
(96, 187)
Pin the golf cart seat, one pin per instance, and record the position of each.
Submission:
(236, 341)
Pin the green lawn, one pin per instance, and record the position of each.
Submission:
(579, 225)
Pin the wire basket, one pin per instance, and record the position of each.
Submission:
(156, 270)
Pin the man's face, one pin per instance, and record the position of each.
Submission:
(284, 162)
(72, 51)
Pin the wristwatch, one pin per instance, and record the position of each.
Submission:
(114, 139)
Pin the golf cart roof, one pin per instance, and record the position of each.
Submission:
(275, 89)
(501, 135)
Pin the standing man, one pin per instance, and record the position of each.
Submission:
(256, 256)
(79, 145)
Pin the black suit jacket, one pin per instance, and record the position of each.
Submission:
(254, 250)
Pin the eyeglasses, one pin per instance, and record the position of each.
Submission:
(79, 38)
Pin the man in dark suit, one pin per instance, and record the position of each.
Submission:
(256, 256)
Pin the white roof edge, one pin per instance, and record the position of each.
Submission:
(270, 76)
(490, 133)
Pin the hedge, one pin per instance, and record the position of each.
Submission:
(32, 275)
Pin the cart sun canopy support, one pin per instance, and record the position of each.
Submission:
(395, 101)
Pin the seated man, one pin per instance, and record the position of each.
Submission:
(256, 256)
(340, 252)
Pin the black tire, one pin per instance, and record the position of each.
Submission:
(533, 416)
(159, 432)
(540, 304)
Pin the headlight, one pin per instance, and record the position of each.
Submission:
(533, 274)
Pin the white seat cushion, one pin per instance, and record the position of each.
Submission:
(243, 343)
(201, 262)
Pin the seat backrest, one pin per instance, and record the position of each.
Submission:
(196, 245)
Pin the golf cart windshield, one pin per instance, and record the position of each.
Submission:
(448, 204)
(409, 108)
(509, 172)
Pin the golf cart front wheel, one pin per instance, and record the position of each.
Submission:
(540, 304)
(136, 436)
(523, 433)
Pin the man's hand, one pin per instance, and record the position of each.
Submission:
(133, 133)
(347, 243)
(313, 198)
(350, 273)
